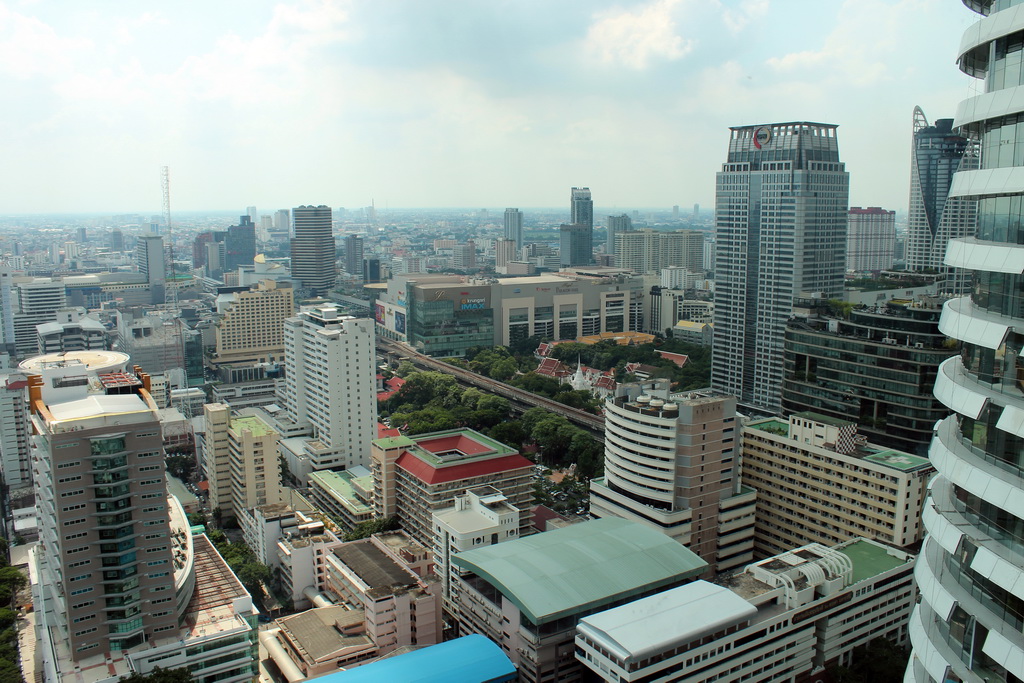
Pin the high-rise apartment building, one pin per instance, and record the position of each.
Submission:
(616, 226)
(14, 430)
(251, 325)
(149, 260)
(581, 207)
(504, 252)
(672, 463)
(935, 216)
(36, 302)
(649, 251)
(514, 227)
(870, 239)
(780, 216)
(312, 248)
(354, 255)
(968, 626)
(330, 384)
(576, 245)
(282, 221)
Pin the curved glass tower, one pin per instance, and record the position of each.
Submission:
(969, 625)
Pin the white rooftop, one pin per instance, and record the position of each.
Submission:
(94, 361)
(662, 621)
(100, 406)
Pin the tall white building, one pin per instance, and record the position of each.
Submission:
(871, 239)
(37, 302)
(514, 227)
(330, 384)
(968, 626)
(313, 248)
(648, 251)
(780, 217)
(936, 216)
(616, 226)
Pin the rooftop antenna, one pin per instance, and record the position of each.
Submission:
(171, 290)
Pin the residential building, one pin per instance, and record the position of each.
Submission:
(250, 328)
(780, 217)
(415, 477)
(248, 394)
(671, 462)
(72, 330)
(616, 226)
(330, 384)
(345, 496)
(870, 239)
(215, 454)
(312, 249)
(529, 594)
(968, 625)
(371, 270)
(514, 228)
(876, 366)
(319, 641)
(354, 255)
(480, 517)
(576, 246)
(818, 481)
(504, 252)
(935, 216)
(464, 256)
(781, 619)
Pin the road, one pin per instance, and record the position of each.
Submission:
(592, 423)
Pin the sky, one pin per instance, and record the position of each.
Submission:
(453, 103)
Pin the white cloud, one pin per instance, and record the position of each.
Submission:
(635, 38)
(749, 11)
(30, 47)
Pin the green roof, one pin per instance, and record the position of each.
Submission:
(339, 486)
(773, 425)
(582, 567)
(869, 559)
(824, 419)
(253, 424)
(905, 462)
(389, 442)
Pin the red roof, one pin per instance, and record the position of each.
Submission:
(203, 486)
(457, 442)
(549, 367)
(384, 432)
(441, 475)
(542, 515)
(679, 359)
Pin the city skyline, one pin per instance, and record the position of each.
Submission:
(409, 105)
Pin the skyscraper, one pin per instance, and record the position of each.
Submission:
(935, 217)
(149, 259)
(971, 567)
(514, 227)
(581, 207)
(354, 255)
(313, 248)
(616, 226)
(576, 246)
(781, 204)
(240, 244)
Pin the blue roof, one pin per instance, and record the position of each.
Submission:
(470, 659)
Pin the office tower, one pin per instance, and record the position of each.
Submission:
(968, 624)
(464, 255)
(671, 463)
(199, 248)
(330, 384)
(780, 214)
(870, 239)
(250, 211)
(149, 259)
(116, 240)
(616, 226)
(371, 270)
(575, 245)
(14, 430)
(283, 220)
(72, 331)
(240, 244)
(312, 249)
(354, 255)
(514, 227)
(7, 311)
(936, 217)
(251, 325)
(675, 212)
(504, 251)
(876, 367)
(696, 210)
(814, 476)
(36, 302)
(581, 207)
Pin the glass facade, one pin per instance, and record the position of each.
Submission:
(968, 626)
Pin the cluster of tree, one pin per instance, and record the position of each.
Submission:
(371, 527)
(11, 581)
(607, 355)
(434, 401)
(181, 466)
(243, 562)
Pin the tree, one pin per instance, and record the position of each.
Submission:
(11, 581)
(405, 368)
(253, 574)
(159, 675)
(504, 369)
(371, 527)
